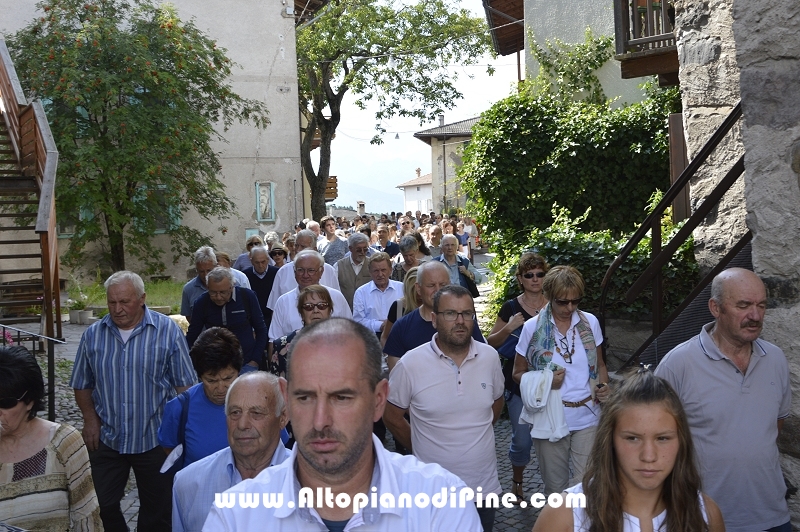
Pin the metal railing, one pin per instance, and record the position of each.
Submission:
(22, 337)
(642, 25)
(660, 256)
(36, 151)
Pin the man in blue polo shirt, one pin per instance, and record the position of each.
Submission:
(415, 328)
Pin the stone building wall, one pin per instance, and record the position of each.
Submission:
(768, 53)
(709, 82)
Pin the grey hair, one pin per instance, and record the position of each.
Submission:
(271, 237)
(218, 274)
(337, 330)
(259, 249)
(205, 254)
(312, 223)
(449, 237)
(357, 238)
(310, 253)
(270, 382)
(125, 276)
(408, 243)
(306, 233)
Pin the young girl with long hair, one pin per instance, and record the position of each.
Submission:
(641, 474)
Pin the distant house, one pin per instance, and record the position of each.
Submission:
(447, 143)
(418, 193)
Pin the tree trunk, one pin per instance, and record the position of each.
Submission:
(116, 243)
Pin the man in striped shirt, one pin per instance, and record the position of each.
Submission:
(128, 365)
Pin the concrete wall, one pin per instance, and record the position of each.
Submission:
(768, 54)
(709, 82)
(262, 43)
(567, 20)
(446, 157)
(418, 200)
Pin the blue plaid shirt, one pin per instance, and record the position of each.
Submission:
(131, 382)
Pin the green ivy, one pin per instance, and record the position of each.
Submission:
(592, 253)
(567, 71)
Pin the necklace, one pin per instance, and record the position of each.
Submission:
(535, 308)
(564, 344)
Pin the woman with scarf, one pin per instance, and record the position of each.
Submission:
(567, 341)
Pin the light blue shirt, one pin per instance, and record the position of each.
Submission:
(392, 474)
(371, 305)
(132, 381)
(195, 485)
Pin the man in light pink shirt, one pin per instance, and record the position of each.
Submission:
(452, 389)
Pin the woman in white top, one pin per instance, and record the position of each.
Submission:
(641, 474)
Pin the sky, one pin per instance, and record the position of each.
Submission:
(371, 173)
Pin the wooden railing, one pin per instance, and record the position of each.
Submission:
(36, 150)
(660, 256)
(642, 25)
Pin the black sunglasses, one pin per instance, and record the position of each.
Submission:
(565, 302)
(10, 402)
(310, 306)
(531, 275)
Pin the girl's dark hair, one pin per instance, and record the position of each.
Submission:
(214, 350)
(20, 375)
(601, 484)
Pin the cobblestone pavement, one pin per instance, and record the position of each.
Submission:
(507, 519)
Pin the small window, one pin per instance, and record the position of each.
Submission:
(167, 216)
(265, 201)
(417, 189)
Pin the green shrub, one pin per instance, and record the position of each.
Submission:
(592, 253)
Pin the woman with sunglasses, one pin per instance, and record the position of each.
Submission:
(504, 336)
(566, 340)
(314, 304)
(45, 476)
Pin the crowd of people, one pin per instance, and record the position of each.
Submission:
(302, 353)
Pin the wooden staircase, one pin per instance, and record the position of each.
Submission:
(29, 268)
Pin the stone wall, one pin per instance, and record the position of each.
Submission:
(709, 81)
(768, 54)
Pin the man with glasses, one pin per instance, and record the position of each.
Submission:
(234, 308)
(384, 244)
(452, 389)
(285, 278)
(308, 267)
(416, 328)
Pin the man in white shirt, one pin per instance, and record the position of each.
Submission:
(452, 389)
(372, 301)
(255, 415)
(308, 265)
(285, 281)
(334, 393)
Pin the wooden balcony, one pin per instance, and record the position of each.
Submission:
(645, 43)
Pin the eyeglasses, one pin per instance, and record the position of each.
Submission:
(531, 275)
(306, 271)
(452, 315)
(406, 223)
(251, 244)
(310, 306)
(220, 293)
(10, 402)
(565, 302)
(277, 253)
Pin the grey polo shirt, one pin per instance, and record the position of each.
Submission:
(733, 419)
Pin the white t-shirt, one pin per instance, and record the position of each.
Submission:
(576, 380)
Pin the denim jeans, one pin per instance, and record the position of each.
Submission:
(519, 453)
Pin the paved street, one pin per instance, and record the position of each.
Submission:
(508, 519)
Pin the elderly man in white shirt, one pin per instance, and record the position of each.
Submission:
(285, 280)
(371, 302)
(334, 394)
(307, 266)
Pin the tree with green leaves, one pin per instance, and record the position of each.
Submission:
(133, 95)
(384, 52)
